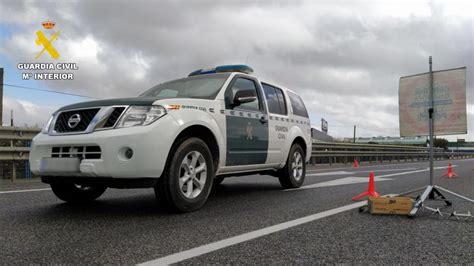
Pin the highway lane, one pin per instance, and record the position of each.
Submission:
(355, 238)
(127, 226)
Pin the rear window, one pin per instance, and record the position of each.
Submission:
(298, 105)
(282, 101)
(275, 99)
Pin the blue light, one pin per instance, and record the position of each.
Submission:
(202, 72)
(227, 68)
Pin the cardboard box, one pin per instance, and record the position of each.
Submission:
(391, 205)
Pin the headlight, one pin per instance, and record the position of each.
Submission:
(45, 128)
(141, 116)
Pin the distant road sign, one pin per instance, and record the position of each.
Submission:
(324, 125)
(449, 87)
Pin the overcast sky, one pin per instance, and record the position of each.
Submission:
(344, 57)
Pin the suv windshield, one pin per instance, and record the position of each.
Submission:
(201, 87)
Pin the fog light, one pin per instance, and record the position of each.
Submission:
(128, 153)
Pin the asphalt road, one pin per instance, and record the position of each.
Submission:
(128, 227)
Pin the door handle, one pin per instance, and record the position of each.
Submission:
(263, 120)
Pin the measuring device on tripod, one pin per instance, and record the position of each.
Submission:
(433, 103)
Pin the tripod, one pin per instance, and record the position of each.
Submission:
(432, 192)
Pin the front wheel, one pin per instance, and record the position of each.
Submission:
(293, 174)
(187, 181)
(77, 193)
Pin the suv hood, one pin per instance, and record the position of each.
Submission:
(109, 102)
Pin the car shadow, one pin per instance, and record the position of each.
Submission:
(233, 189)
(145, 204)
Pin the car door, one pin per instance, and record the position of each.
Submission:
(246, 123)
(278, 122)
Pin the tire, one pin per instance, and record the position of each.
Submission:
(287, 174)
(70, 192)
(184, 186)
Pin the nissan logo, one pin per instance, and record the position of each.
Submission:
(74, 120)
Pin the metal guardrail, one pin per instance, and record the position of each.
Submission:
(14, 159)
(14, 151)
(340, 152)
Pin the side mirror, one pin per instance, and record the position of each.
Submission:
(244, 96)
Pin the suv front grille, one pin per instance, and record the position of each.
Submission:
(81, 152)
(114, 116)
(86, 116)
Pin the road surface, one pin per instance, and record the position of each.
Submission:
(247, 220)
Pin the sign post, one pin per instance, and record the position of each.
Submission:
(440, 98)
(431, 124)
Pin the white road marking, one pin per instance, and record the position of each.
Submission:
(24, 190)
(348, 180)
(356, 172)
(355, 180)
(326, 169)
(341, 181)
(198, 251)
(378, 165)
(387, 170)
(366, 166)
(443, 167)
(331, 173)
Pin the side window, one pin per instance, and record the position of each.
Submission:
(281, 101)
(275, 99)
(298, 105)
(272, 99)
(243, 84)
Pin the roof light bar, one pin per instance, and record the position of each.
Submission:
(227, 68)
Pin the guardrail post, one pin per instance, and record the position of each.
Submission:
(13, 171)
(26, 169)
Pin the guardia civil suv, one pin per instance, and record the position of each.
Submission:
(180, 137)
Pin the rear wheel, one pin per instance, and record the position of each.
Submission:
(77, 193)
(293, 174)
(187, 180)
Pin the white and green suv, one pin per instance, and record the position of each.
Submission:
(179, 137)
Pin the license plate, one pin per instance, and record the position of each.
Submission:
(59, 165)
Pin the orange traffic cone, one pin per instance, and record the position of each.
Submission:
(450, 173)
(356, 164)
(370, 190)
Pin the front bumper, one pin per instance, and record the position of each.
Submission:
(150, 145)
(103, 181)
